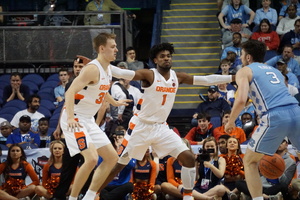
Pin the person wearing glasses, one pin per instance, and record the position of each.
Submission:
(59, 91)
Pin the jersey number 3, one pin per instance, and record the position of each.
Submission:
(101, 98)
(274, 80)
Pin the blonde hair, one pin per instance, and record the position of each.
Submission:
(52, 158)
(209, 139)
(101, 39)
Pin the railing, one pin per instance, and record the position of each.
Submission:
(23, 41)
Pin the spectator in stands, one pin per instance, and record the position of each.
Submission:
(292, 78)
(227, 92)
(249, 108)
(222, 143)
(236, 47)
(287, 57)
(45, 135)
(292, 37)
(214, 106)
(101, 18)
(133, 64)
(224, 67)
(237, 132)
(16, 90)
(33, 104)
(248, 125)
(55, 5)
(204, 129)
(292, 89)
(234, 167)
(266, 12)
(59, 91)
(283, 10)
(286, 24)
(210, 171)
(236, 10)
(235, 27)
(172, 188)
(51, 171)
(266, 35)
(23, 136)
(143, 178)
(235, 60)
(15, 170)
(223, 3)
(271, 187)
(161, 177)
(77, 67)
(5, 131)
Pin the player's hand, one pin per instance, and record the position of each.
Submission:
(123, 102)
(84, 59)
(229, 127)
(73, 125)
(57, 134)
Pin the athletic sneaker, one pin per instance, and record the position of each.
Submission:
(278, 196)
(232, 196)
(245, 197)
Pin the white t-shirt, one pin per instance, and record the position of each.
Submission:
(34, 119)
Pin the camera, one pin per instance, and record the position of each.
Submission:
(204, 154)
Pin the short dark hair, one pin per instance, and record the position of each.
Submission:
(29, 99)
(246, 113)
(203, 116)
(15, 74)
(256, 49)
(226, 137)
(161, 47)
(267, 22)
(43, 119)
(63, 70)
(237, 33)
(129, 49)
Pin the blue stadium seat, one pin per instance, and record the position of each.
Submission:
(54, 120)
(270, 54)
(47, 96)
(3, 84)
(48, 104)
(32, 86)
(48, 90)
(45, 111)
(53, 77)
(9, 110)
(7, 116)
(57, 110)
(35, 78)
(49, 84)
(21, 105)
(5, 78)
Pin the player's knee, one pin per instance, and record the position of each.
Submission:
(187, 159)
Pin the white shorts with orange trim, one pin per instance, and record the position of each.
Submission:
(80, 140)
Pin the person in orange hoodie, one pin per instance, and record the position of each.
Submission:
(238, 133)
(204, 129)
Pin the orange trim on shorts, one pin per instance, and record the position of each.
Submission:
(140, 101)
(79, 134)
(131, 125)
(122, 147)
(79, 96)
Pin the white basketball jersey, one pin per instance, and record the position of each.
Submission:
(90, 98)
(157, 100)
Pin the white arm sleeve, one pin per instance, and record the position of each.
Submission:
(212, 79)
(122, 73)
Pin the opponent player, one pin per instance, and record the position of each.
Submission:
(148, 126)
(278, 111)
(82, 134)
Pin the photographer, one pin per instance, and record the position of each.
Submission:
(211, 169)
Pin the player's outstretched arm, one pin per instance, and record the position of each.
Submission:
(203, 80)
(121, 102)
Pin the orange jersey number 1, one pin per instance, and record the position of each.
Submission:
(164, 99)
(101, 98)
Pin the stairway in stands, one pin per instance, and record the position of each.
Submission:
(193, 28)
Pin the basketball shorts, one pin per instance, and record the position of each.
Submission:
(81, 139)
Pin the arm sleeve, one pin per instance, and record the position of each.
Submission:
(170, 172)
(288, 174)
(190, 136)
(122, 73)
(30, 171)
(279, 28)
(212, 79)
(45, 174)
(152, 173)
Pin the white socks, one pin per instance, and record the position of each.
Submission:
(188, 176)
(258, 198)
(72, 198)
(89, 195)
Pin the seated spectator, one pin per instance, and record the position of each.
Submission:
(6, 130)
(234, 167)
(161, 177)
(283, 9)
(210, 171)
(133, 64)
(143, 178)
(237, 132)
(43, 131)
(248, 125)
(224, 67)
(236, 48)
(292, 37)
(51, 171)
(214, 106)
(23, 136)
(227, 92)
(172, 188)
(266, 12)
(222, 143)
(59, 91)
(287, 57)
(15, 170)
(266, 35)
(236, 10)
(292, 78)
(236, 62)
(33, 104)
(286, 24)
(292, 89)
(224, 3)
(16, 90)
(271, 187)
(235, 27)
(249, 108)
(101, 18)
(204, 129)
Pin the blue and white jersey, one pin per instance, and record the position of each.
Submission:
(243, 13)
(267, 88)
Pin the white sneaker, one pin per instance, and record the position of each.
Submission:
(188, 198)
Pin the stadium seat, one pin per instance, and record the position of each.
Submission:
(54, 120)
(21, 105)
(9, 110)
(53, 77)
(47, 96)
(32, 86)
(49, 84)
(7, 116)
(35, 78)
(5, 78)
(47, 104)
(270, 54)
(3, 84)
(44, 111)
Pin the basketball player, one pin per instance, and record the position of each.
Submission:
(148, 126)
(82, 134)
(278, 111)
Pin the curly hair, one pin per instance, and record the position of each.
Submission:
(154, 51)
